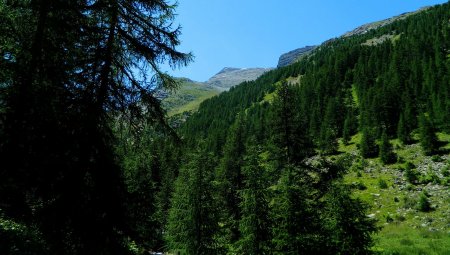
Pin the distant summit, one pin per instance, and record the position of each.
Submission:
(227, 70)
(230, 76)
(292, 56)
(191, 93)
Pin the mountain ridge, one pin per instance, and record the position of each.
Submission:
(293, 56)
(191, 93)
(232, 76)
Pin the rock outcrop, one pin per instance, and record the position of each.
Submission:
(292, 56)
(229, 77)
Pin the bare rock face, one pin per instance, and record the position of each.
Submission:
(374, 25)
(292, 56)
(229, 77)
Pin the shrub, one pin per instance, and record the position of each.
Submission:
(411, 175)
(409, 166)
(389, 219)
(436, 158)
(433, 175)
(424, 204)
(382, 184)
(400, 218)
(445, 171)
(409, 202)
(358, 185)
(446, 181)
(430, 177)
(361, 186)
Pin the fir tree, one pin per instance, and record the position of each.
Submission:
(229, 179)
(348, 228)
(289, 131)
(291, 213)
(193, 216)
(329, 129)
(428, 139)
(346, 133)
(402, 131)
(386, 153)
(255, 222)
(367, 146)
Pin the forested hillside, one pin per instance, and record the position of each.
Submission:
(345, 152)
(388, 86)
(382, 86)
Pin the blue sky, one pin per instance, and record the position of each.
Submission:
(254, 33)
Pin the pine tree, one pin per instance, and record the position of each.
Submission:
(348, 229)
(402, 131)
(170, 165)
(289, 131)
(329, 132)
(255, 223)
(367, 146)
(193, 216)
(229, 179)
(346, 133)
(428, 139)
(386, 153)
(291, 213)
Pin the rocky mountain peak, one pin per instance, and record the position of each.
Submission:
(231, 76)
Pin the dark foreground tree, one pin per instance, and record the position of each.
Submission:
(68, 67)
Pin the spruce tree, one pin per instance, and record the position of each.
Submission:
(386, 153)
(367, 146)
(346, 132)
(402, 131)
(291, 213)
(289, 132)
(193, 216)
(229, 180)
(348, 229)
(329, 132)
(427, 134)
(254, 224)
